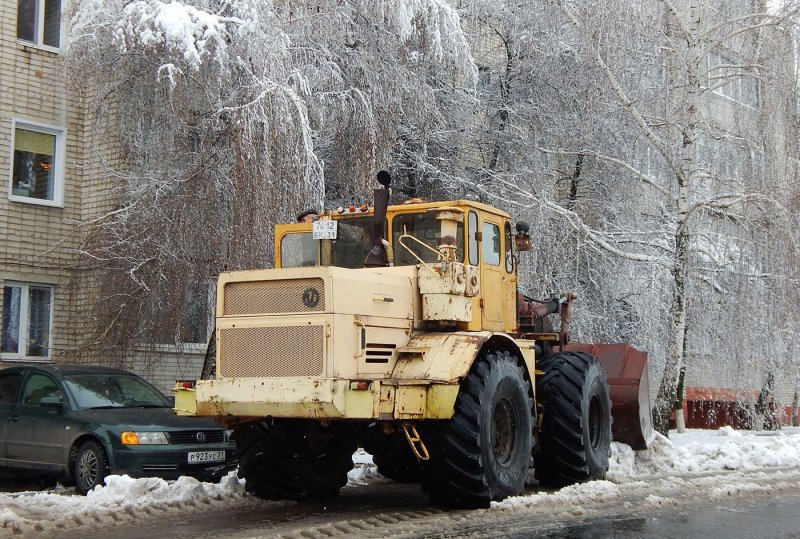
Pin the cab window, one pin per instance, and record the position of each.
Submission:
(474, 233)
(491, 244)
(353, 242)
(509, 250)
(426, 228)
(298, 249)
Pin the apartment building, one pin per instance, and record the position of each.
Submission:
(41, 151)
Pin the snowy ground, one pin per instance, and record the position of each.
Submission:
(700, 453)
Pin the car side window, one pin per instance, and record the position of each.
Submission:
(38, 387)
(8, 387)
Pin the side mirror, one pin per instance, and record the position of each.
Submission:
(522, 239)
(52, 402)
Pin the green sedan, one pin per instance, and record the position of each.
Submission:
(82, 423)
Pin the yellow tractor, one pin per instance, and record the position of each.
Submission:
(400, 329)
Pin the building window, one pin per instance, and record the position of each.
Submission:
(731, 80)
(27, 317)
(39, 22)
(37, 174)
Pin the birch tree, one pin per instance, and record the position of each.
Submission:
(697, 197)
(664, 183)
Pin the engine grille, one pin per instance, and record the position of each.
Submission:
(190, 436)
(280, 296)
(272, 351)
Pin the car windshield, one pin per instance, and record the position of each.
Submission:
(104, 390)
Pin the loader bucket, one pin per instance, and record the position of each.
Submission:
(627, 372)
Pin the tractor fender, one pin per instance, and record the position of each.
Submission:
(440, 360)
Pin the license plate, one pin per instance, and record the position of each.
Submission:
(324, 230)
(206, 456)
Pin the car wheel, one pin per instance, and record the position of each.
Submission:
(90, 467)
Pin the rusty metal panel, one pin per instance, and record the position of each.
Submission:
(446, 307)
(271, 351)
(274, 296)
(410, 402)
(627, 370)
(445, 278)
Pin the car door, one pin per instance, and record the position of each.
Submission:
(9, 383)
(36, 429)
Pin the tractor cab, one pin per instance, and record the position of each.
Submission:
(474, 237)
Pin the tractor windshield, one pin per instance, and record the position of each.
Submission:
(426, 228)
(353, 242)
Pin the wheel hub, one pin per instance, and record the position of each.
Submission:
(87, 468)
(504, 423)
(595, 421)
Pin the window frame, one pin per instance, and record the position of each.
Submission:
(24, 323)
(59, 159)
(38, 27)
(732, 87)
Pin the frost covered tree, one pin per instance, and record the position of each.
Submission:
(651, 145)
(720, 164)
(212, 120)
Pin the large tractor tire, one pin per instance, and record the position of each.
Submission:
(399, 464)
(293, 461)
(575, 434)
(484, 451)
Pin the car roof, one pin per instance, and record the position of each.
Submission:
(68, 368)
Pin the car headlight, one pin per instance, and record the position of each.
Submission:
(228, 434)
(143, 438)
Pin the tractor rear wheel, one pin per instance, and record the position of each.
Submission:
(575, 434)
(484, 451)
(295, 461)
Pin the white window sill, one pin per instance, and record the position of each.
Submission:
(185, 348)
(25, 359)
(36, 201)
(37, 46)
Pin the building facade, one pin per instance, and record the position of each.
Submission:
(41, 151)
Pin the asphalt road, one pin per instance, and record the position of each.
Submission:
(663, 507)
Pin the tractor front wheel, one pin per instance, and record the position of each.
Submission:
(484, 451)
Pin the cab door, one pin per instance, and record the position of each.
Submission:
(492, 275)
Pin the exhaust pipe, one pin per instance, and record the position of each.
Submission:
(377, 257)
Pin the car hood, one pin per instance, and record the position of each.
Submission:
(146, 418)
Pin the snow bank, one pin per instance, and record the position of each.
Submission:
(689, 453)
(688, 458)
(705, 451)
(33, 512)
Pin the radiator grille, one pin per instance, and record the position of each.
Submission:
(280, 296)
(190, 436)
(272, 351)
